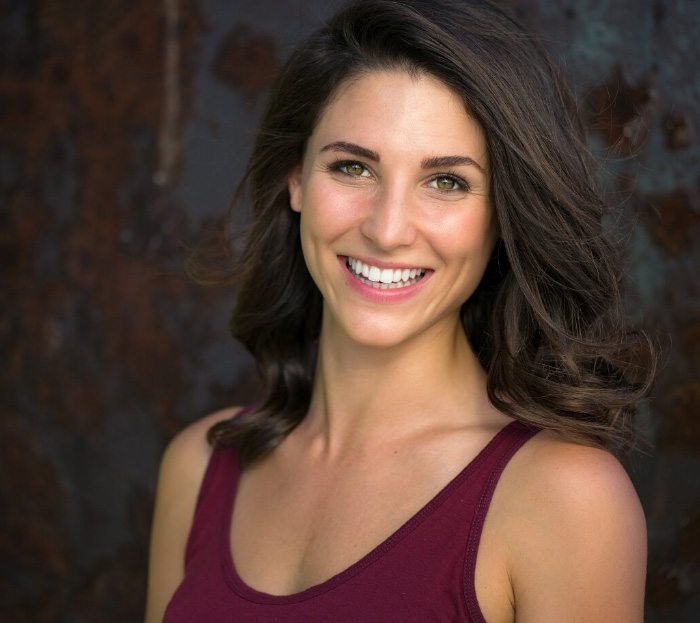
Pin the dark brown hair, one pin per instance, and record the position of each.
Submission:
(546, 320)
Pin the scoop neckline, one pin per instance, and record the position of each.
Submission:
(237, 584)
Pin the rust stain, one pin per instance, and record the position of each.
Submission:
(115, 590)
(247, 61)
(30, 535)
(86, 327)
(679, 131)
(672, 219)
(664, 589)
(99, 83)
(619, 111)
(671, 584)
(689, 338)
(679, 405)
(688, 540)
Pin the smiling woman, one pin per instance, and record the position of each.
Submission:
(434, 307)
(411, 201)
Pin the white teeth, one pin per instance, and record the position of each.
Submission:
(387, 277)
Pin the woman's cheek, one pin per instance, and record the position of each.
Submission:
(335, 210)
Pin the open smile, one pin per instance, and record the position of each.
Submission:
(384, 283)
(384, 278)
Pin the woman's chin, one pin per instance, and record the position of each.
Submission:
(373, 332)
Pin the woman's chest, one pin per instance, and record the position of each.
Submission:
(291, 533)
(288, 536)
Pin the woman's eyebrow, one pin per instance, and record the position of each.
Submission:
(438, 162)
(352, 148)
(434, 162)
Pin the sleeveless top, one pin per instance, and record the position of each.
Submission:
(423, 572)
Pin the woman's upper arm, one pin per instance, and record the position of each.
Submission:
(580, 553)
(181, 471)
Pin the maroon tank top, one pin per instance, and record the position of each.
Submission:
(423, 572)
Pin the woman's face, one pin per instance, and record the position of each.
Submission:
(396, 222)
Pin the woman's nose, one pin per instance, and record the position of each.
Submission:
(388, 221)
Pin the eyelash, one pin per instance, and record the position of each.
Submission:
(337, 167)
(462, 184)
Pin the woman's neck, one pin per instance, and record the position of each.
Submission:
(364, 395)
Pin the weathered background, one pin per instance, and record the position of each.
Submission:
(124, 125)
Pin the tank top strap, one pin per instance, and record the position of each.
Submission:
(512, 437)
(214, 494)
(212, 500)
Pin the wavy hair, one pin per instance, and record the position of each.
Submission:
(546, 321)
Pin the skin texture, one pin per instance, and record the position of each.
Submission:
(564, 538)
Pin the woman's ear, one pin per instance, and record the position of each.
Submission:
(294, 187)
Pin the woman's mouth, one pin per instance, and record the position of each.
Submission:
(384, 278)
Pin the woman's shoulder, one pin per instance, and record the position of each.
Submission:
(190, 448)
(185, 460)
(560, 475)
(571, 517)
(181, 471)
(551, 457)
(558, 482)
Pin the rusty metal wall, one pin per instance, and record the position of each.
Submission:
(124, 125)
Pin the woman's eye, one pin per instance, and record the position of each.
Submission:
(354, 169)
(446, 183)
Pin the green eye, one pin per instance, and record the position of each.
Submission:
(354, 168)
(446, 183)
(350, 168)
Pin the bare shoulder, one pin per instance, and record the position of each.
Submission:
(569, 475)
(572, 519)
(181, 471)
(186, 456)
(189, 449)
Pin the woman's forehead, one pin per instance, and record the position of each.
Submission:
(399, 111)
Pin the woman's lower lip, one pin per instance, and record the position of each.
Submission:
(388, 295)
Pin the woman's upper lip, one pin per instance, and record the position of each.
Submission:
(383, 264)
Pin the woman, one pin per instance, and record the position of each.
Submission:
(436, 315)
